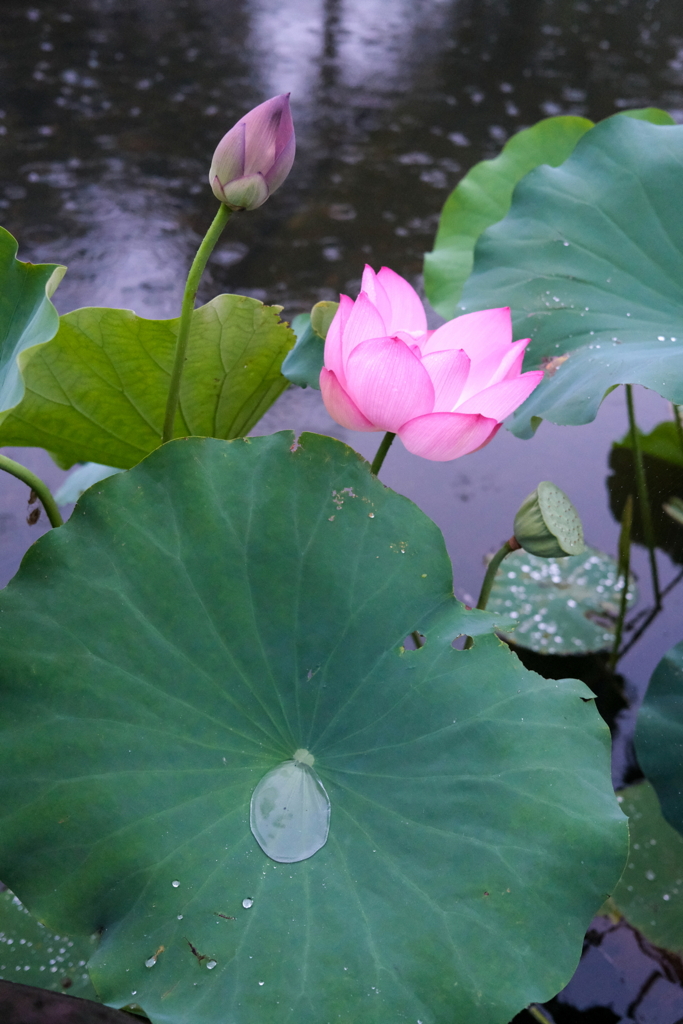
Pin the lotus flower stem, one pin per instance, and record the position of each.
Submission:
(382, 452)
(189, 296)
(624, 570)
(643, 496)
(37, 485)
(678, 420)
(491, 570)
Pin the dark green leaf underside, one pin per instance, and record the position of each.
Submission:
(659, 735)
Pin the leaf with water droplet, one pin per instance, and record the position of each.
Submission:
(212, 629)
(617, 193)
(650, 893)
(290, 813)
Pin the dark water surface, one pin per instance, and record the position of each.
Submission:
(109, 113)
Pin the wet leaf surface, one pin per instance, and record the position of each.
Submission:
(32, 954)
(590, 258)
(560, 605)
(208, 614)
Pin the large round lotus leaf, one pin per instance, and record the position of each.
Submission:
(650, 892)
(663, 464)
(33, 955)
(213, 613)
(560, 605)
(659, 735)
(590, 258)
(484, 195)
(27, 316)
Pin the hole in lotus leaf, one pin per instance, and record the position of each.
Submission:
(290, 811)
(560, 605)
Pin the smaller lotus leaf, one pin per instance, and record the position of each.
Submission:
(303, 364)
(322, 316)
(590, 260)
(97, 392)
(32, 954)
(659, 735)
(650, 892)
(27, 316)
(561, 605)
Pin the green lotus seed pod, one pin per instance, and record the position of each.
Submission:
(548, 525)
(322, 316)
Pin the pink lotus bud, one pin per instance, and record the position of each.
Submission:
(255, 156)
(444, 392)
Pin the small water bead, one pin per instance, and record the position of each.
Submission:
(180, 917)
(151, 962)
(211, 964)
(247, 902)
(261, 983)
(175, 884)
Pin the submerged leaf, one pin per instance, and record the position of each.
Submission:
(650, 891)
(35, 955)
(560, 605)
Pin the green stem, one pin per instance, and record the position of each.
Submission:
(538, 1014)
(37, 485)
(491, 570)
(189, 296)
(643, 496)
(678, 420)
(381, 453)
(624, 570)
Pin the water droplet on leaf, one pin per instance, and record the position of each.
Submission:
(290, 811)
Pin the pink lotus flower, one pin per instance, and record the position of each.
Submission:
(255, 156)
(444, 392)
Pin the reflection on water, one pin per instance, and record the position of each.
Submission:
(110, 111)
